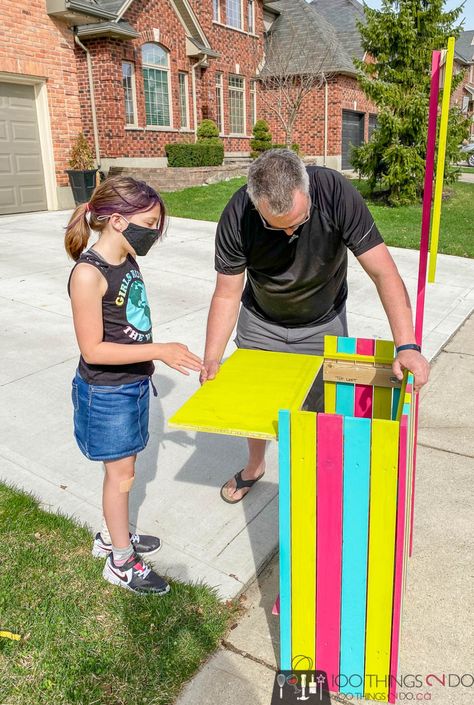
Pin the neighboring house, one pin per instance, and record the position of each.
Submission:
(337, 114)
(156, 69)
(463, 96)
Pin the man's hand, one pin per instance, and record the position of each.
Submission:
(414, 362)
(209, 370)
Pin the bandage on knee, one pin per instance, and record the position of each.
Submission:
(125, 485)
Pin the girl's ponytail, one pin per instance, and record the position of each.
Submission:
(77, 232)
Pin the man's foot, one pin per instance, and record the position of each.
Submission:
(135, 575)
(140, 542)
(238, 486)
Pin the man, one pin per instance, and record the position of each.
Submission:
(289, 228)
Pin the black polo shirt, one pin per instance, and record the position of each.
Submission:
(304, 281)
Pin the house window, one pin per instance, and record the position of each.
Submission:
(183, 99)
(233, 10)
(251, 16)
(156, 81)
(216, 11)
(128, 82)
(237, 105)
(219, 104)
(253, 103)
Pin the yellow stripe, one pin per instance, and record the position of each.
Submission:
(303, 536)
(382, 522)
(443, 132)
(382, 404)
(330, 349)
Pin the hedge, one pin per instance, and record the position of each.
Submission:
(194, 154)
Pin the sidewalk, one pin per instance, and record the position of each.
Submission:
(438, 622)
(180, 473)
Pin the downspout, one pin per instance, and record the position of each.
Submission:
(91, 89)
(196, 66)
(326, 91)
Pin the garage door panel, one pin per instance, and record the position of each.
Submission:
(22, 185)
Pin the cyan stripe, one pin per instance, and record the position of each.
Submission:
(285, 538)
(345, 393)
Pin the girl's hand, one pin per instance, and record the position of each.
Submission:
(178, 356)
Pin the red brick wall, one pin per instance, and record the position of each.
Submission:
(107, 56)
(35, 45)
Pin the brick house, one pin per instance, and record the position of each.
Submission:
(463, 96)
(156, 69)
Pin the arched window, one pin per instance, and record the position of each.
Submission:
(156, 81)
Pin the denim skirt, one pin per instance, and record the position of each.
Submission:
(110, 422)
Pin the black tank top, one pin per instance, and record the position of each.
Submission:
(126, 317)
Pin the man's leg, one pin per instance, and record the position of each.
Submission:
(254, 468)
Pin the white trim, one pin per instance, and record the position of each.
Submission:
(123, 9)
(218, 19)
(44, 129)
(186, 90)
(235, 29)
(253, 99)
(243, 91)
(253, 16)
(221, 102)
(194, 18)
(134, 95)
(170, 94)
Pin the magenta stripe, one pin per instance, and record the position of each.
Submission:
(399, 551)
(329, 544)
(363, 392)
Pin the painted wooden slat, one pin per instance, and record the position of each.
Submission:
(364, 392)
(382, 405)
(284, 500)
(395, 400)
(345, 392)
(303, 538)
(400, 543)
(329, 543)
(354, 551)
(382, 521)
(330, 347)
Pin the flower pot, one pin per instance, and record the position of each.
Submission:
(82, 183)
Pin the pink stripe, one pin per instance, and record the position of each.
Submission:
(412, 512)
(329, 544)
(399, 549)
(427, 196)
(363, 392)
(276, 606)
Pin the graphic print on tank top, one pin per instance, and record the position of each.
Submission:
(133, 296)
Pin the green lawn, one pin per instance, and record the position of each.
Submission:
(400, 227)
(84, 641)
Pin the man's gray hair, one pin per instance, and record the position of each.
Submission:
(274, 177)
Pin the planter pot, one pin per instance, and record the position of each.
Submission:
(82, 184)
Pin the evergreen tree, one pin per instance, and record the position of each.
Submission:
(261, 140)
(399, 39)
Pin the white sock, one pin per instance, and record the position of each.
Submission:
(104, 532)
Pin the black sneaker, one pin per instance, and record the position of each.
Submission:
(140, 542)
(135, 575)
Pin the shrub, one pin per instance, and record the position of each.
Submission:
(198, 154)
(207, 131)
(262, 139)
(295, 147)
(82, 157)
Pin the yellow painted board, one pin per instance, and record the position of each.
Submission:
(443, 133)
(245, 397)
(382, 404)
(380, 575)
(303, 538)
(330, 349)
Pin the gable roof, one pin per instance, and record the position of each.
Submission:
(300, 25)
(343, 16)
(464, 46)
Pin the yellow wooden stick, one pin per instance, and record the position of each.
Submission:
(443, 132)
(10, 635)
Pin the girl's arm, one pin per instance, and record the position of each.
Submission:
(87, 288)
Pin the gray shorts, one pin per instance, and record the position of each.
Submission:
(253, 333)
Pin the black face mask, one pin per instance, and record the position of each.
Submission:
(140, 238)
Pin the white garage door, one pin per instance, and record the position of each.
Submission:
(22, 185)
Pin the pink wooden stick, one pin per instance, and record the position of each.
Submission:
(363, 392)
(425, 237)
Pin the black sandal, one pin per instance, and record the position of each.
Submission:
(239, 484)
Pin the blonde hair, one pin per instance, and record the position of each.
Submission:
(117, 194)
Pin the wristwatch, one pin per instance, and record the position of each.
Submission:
(408, 346)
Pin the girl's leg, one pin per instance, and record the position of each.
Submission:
(117, 481)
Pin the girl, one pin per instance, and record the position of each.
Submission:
(110, 391)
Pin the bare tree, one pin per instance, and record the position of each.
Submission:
(292, 67)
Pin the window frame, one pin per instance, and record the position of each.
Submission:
(241, 91)
(134, 94)
(240, 27)
(167, 71)
(220, 102)
(251, 15)
(216, 5)
(253, 102)
(186, 126)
